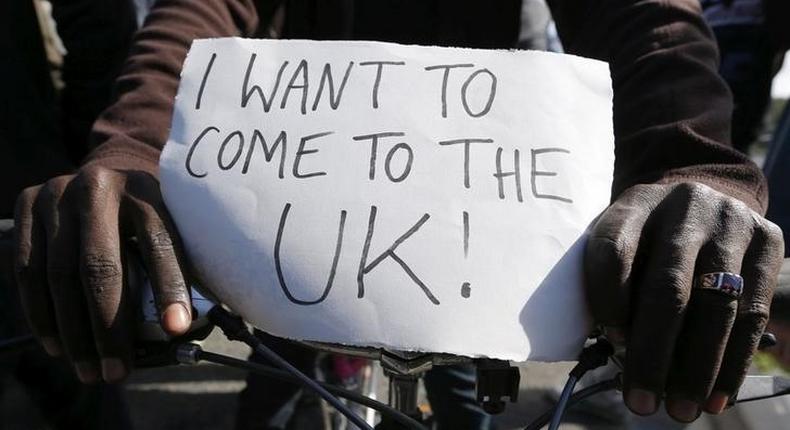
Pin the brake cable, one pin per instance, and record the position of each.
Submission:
(597, 355)
(190, 353)
(609, 384)
(234, 329)
(755, 387)
(592, 357)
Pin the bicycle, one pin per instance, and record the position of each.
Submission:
(497, 380)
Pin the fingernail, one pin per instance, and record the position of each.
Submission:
(683, 410)
(52, 346)
(641, 402)
(86, 372)
(717, 402)
(176, 319)
(112, 369)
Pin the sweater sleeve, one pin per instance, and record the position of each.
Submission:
(131, 132)
(672, 111)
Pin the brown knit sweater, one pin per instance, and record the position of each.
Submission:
(671, 109)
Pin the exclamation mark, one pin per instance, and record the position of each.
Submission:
(466, 287)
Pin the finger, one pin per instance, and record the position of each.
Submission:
(63, 276)
(761, 266)
(30, 269)
(102, 273)
(707, 323)
(161, 254)
(609, 256)
(664, 283)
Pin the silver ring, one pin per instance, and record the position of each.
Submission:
(724, 282)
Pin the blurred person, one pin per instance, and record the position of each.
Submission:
(777, 16)
(751, 49)
(534, 30)
(682, 197)
(43, 133)
(753, 37)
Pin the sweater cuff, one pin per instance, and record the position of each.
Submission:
(125, 155)
(756, 199)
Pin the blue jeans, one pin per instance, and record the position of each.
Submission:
(451, 391)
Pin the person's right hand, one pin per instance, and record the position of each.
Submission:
(68, 247)
(686, 345)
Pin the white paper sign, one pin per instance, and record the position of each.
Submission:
(408, 197)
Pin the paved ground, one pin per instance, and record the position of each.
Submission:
(203, 397)
(208, 393)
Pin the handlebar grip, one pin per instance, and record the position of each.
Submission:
(150, 338)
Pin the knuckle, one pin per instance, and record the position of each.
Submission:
(24, 202)
(756, 316)
(610, 233)
(647, 188)
(57, 185)
(692, 191)
(771, 234)
(641, 196)
(734, 216)
(160, 239)
(160, 244)
(99, 270)
(94, 173)
(29, 194)
(607, 255)
(738, 207)
(96, 182)
(610, 247)
(771, 228)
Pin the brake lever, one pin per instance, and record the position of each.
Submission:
(759, 387)
(153, 347)
(754, 387)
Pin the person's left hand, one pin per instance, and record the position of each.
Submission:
(645, 254)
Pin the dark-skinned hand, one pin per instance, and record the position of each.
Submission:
(69, 241)
(693, 349)
(685, 346)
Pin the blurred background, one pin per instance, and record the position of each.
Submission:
(56, 76)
